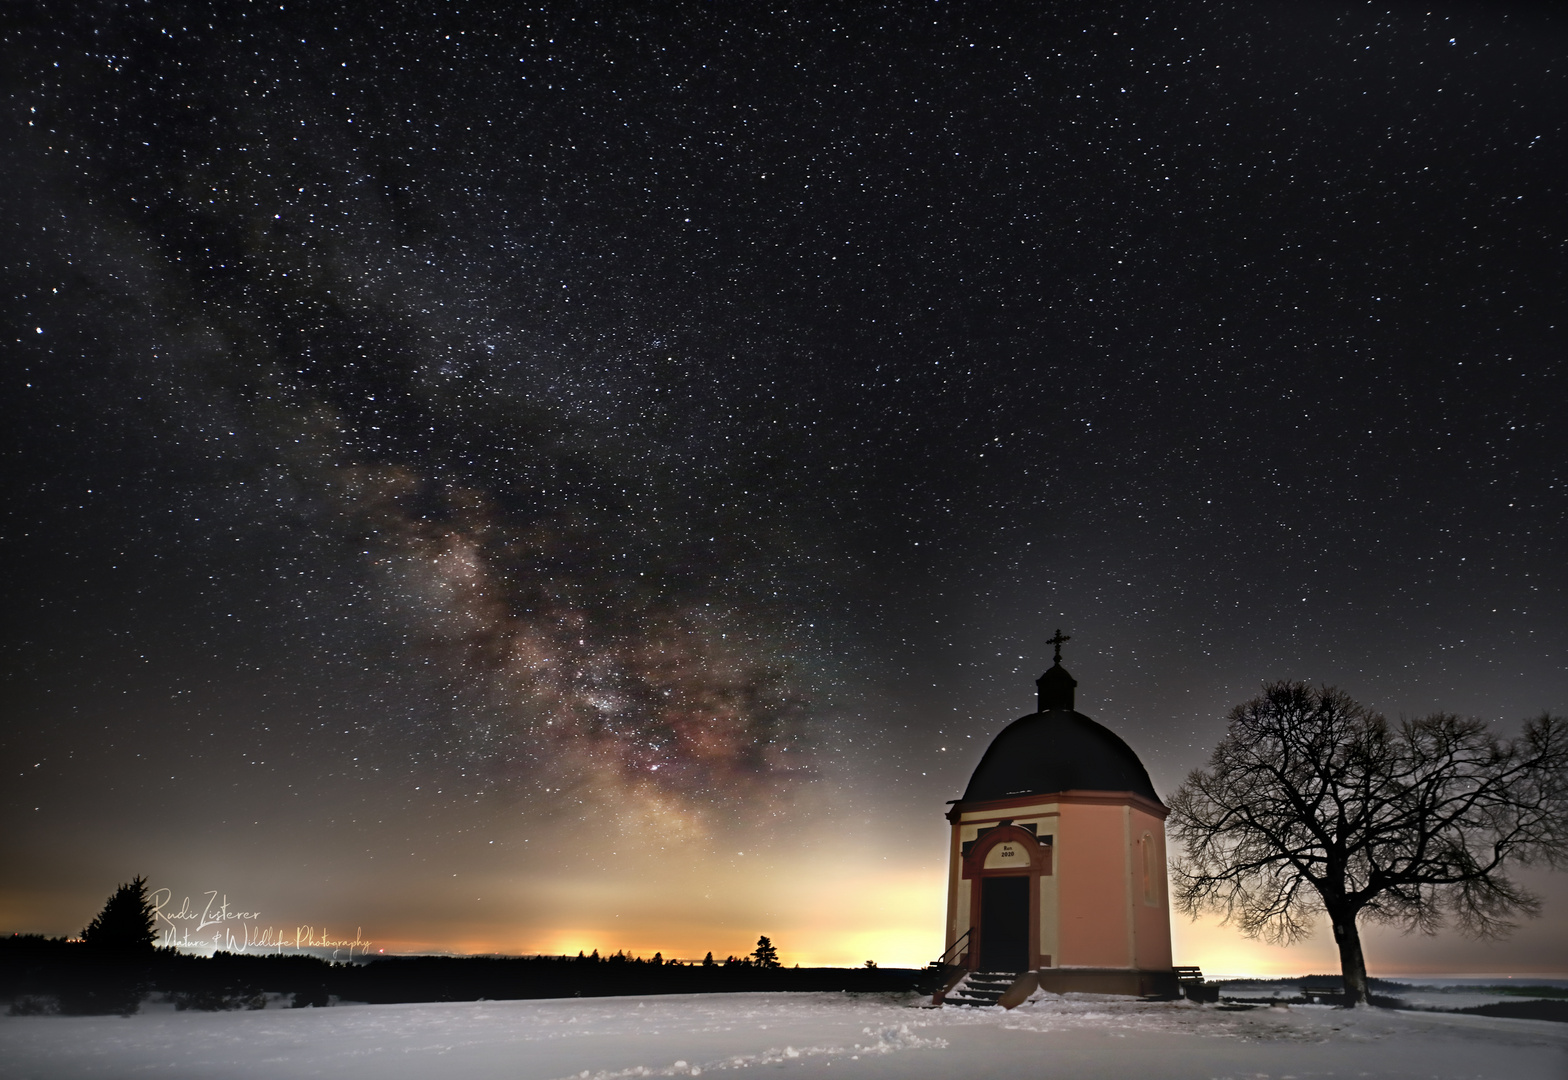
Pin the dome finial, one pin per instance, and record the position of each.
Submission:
(1056, 686)
(1059, 640)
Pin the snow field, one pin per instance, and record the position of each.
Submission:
(792, 1035)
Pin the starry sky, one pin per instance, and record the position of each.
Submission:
(597, 475)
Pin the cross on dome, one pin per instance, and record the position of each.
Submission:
(1059, 640)
(1056, 685)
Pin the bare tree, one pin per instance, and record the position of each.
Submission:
(1312, 804)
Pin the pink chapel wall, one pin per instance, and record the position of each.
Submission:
(1103, 903)
(1150, 891)
(1092, 892)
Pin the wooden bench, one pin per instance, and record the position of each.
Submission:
(1189, 981)
(1317, 991)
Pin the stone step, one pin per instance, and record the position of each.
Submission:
(980, 988)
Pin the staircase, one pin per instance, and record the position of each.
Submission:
(980, 988)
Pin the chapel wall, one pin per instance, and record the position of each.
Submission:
(1151, 899)
(1044, 817)
(957, 892)
(1050, 918)
(1105, 904)
(1093, 920)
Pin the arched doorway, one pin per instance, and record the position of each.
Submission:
(1004, 865)
(1004, 921)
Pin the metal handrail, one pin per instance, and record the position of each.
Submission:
(943, 960)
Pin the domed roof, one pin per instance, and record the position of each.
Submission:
(1057, 749)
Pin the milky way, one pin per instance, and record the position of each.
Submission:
(674, 421)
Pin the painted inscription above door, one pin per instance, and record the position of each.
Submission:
(1008, 855)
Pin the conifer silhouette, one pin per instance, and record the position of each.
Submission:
(126, 924)
(766, 955)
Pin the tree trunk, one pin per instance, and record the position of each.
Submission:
(1352, 964)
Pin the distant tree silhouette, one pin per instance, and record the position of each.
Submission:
(126, 924)
(119, 952)
(765, 954)
(707, 961)
(1314, 804)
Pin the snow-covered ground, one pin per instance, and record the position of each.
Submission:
(1436, 994)
(795, 1035)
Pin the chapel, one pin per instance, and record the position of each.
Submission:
(1057, 862)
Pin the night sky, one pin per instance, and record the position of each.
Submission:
(598, 475)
